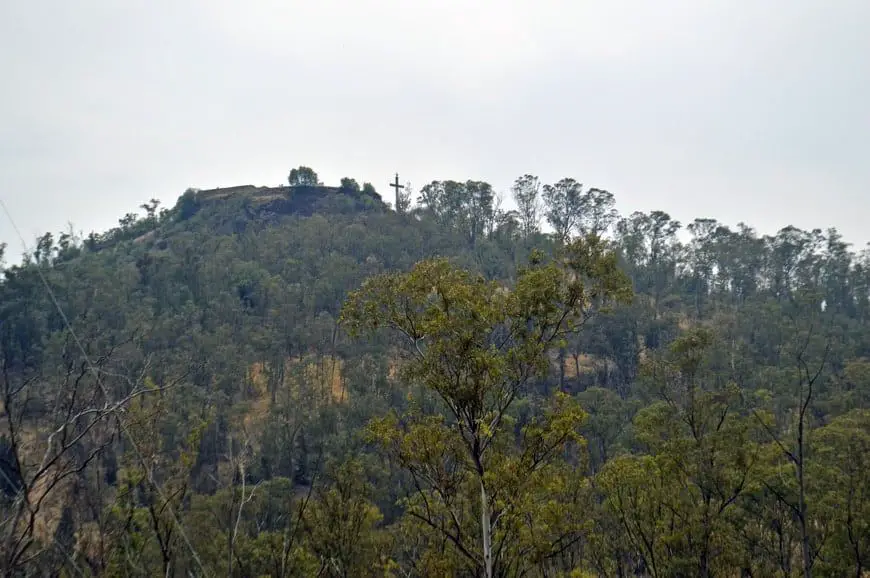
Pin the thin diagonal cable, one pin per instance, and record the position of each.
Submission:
(103, 390)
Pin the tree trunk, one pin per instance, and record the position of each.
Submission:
(805, 535)
(802, 504)
(486, 531)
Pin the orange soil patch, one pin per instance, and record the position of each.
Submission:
(393, 366)
(326, 373)
(587, 364)
(54, 500)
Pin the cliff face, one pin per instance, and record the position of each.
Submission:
(302, 200)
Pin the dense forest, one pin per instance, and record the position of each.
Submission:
(305, 381)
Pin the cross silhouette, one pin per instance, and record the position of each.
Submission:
(398, 187)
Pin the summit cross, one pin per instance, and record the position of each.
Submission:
(398, 188)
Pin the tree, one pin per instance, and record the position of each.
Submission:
(151, 209)
(369, 189)
(79, 422)
(45, 250)
(792, 445)
(598, 212)
(705, 450)
(563, 202)
(633, 489)
(650, 245)
(843, 490)
(342, 526)
(188, 204)
(465, 207)
(701, 258)
(128, 220)
(146, 509)
(477, 346)
(837, 263)
(303, 177)
(349, 185)
(480, 209)
(793, 258)
(403, 199)
(526, 193)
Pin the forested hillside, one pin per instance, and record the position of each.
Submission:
(303, 381)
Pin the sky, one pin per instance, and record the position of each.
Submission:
(739, 110)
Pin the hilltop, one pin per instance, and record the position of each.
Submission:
(302, 199)
(247, 203)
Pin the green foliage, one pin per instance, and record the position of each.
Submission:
(841, 491)
(477, 346)
(187, 205)
(350, 185)
(342, 527)
(564, 202)
(329, 387)
(304, 177)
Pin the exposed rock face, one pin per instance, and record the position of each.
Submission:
(302, 200)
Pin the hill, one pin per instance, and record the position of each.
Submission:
(183, 394)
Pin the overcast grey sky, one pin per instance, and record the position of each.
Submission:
(752, 110)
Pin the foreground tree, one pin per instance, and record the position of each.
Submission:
(47, 448)
(476, 346)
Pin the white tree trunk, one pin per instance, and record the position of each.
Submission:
(486, 530)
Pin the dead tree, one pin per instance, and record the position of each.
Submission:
(53, 429)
